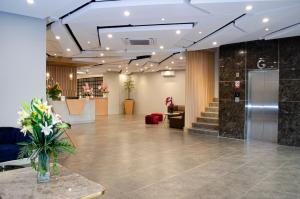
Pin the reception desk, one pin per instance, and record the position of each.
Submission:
(75, 111)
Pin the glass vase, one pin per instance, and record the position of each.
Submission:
(43, 168)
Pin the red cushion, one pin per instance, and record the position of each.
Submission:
(160, 116)
(151, 119)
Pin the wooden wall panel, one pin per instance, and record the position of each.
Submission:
(61, 74)
(199, 84)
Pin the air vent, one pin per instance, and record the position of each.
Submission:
(139, 42)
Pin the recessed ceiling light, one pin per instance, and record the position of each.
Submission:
(103, 61)
(249, 7)
(152, 70)
(119, 66)
(170, 68)
(109, 35)
(181, 58)
(163, 19)
(265, 20)
(30, 1)
(136, 64)
(178, 32)
(161, 47)
(167, 67)
(109, 69)
(214, 43)
(68, 49)
(126, 68)
(88, 42)
(54, 54)
(141, 69)
(146, 68)
(107, 48)
(172, 62)
(153, 53)
(127, 71)
(200, 32)
(126, 13)
(151, 65)
(57, 37)
(101, 54)
(267, 29)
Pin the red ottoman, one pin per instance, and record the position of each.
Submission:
(160, 116)
(151, 119)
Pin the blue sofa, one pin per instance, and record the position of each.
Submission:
(9, 137)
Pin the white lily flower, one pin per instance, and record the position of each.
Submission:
(46, 129)
(22, 115)
(26, 129)
(56, 118)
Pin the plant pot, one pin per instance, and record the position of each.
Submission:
(128, 106)
(43, 168)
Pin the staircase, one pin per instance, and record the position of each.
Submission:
(208, 122)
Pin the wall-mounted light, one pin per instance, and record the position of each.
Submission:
(71, 76)
(47, 76)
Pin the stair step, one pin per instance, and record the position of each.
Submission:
(216, 99)
(208, 119)
(214, 104)
(205, 125)
(210, 114)
(212, 109)
(204, 131)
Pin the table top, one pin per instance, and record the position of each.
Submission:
(175, 113)
(22, 183)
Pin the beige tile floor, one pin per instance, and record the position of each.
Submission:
(135, 161)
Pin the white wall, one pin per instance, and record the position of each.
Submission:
(112, 80)
(22, 63)
(151, 90)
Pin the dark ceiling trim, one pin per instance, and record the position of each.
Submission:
(290, 26)
(165, 59)
(73, 37)
(130, 25)
(231, 22)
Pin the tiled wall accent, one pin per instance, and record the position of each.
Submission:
(93, 82)
(289, 92)
(241, 57)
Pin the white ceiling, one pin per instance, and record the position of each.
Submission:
(201, 23)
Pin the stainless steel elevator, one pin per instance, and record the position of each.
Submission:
(262, 107)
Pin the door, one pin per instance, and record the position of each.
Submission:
(262, 108)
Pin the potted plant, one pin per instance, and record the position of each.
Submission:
(53, 90)
(170, 105)
(87, 91)
(128, 103)
(103, 88)
(45, 129)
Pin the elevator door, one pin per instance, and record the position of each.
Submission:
(262, 108)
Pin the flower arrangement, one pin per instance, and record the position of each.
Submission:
(45, 129)
(87, 90)
(103, 88)
(169, 103)
(53, 90)
(129, 85)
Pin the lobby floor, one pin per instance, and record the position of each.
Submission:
(135, 161)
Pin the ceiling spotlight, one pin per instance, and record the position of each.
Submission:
(68, 49)
(136, 64)
(153, 53)
(172, 62)
(265, 20)
(88, 42)
(151, 65)
(54, 54)
(127, 71)
(161, 47)
(152, 70)
(126, 13)
(249, 8)
(181, 58)
(163, 19)
(57, 37)
(101, 54)
(103, 61)
(267, 29)
(109, 69)
(30, 1)
(126, 68)
(141, 69)
(167, 67)
(200, 32)
(178, 32)
(146, 68)
(119, 66)
(107, 48)
(109, 36)
(214, 43)
(170, 68)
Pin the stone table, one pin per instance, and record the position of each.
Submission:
(22, 183)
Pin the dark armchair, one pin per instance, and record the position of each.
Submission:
(177, 121)
(9, 137)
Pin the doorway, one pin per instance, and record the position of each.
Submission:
(262, 107)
